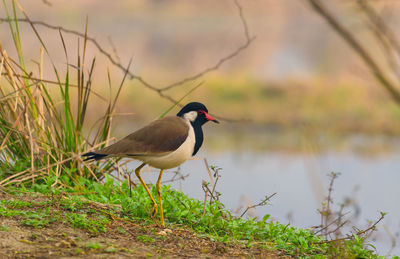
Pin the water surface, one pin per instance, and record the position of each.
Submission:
(369, 180)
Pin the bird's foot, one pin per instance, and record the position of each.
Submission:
(161, 223)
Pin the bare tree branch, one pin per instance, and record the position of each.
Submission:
(47, 3)
(384, 35)
(159, 90)
(223, 60)
(358, 48)
(377, 20)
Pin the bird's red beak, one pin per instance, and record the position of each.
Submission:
(210, 118)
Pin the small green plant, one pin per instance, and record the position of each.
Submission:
(94, 225)
(78, 251)
(110, 250)
(36, 219)
(16, 204)
(95, 246)
(6, 212)
(121, 230)
(4, 228)
(145, 239)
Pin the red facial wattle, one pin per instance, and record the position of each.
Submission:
(208, 117)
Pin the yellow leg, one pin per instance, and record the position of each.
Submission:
(137, 172)
(158, 186)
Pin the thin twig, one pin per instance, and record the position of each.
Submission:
(262, 203)
(216, 176)
(209, 172)
(159, 90)
(337, 220)
(205, 203)
(327, 212)
(359, 233)
(207, 189)
(46, 2)
(114, 49)
(377, 20)
(384, 36)
(357, 46)
(177, 177)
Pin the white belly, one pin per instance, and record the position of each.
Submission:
(175, 158)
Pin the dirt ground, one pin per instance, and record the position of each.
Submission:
(122, 240)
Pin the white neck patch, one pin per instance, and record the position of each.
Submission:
(191, 116)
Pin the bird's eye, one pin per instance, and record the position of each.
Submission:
(201, 112)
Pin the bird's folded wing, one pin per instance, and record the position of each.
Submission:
(158, 138)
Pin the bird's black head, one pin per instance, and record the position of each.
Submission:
(196, 113)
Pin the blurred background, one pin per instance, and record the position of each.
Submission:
(296, 103)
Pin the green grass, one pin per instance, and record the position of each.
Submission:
(4, 228)
(180, 211)
(145, 239)
(95, 246)
(37, 219)
(93, 225)
(16, 203)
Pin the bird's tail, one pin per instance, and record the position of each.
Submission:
(93, 156)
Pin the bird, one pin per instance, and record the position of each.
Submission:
(164, 144)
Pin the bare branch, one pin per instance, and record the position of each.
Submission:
(337, 220)
(159, 90)
(328, 211)
(262, 203)
(177, 176)
(209, 172)
(377, 20)
(384, 35)
(359, 232)
(214, 195)
(206, 189)
(357, 47)
(47, 3)
(244, 22)
(114, 49)
(222, 60)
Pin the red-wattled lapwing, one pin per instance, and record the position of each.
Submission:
(164, 144)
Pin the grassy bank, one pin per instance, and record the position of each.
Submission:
(99, 209)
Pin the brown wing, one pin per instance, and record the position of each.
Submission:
(159, 137)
